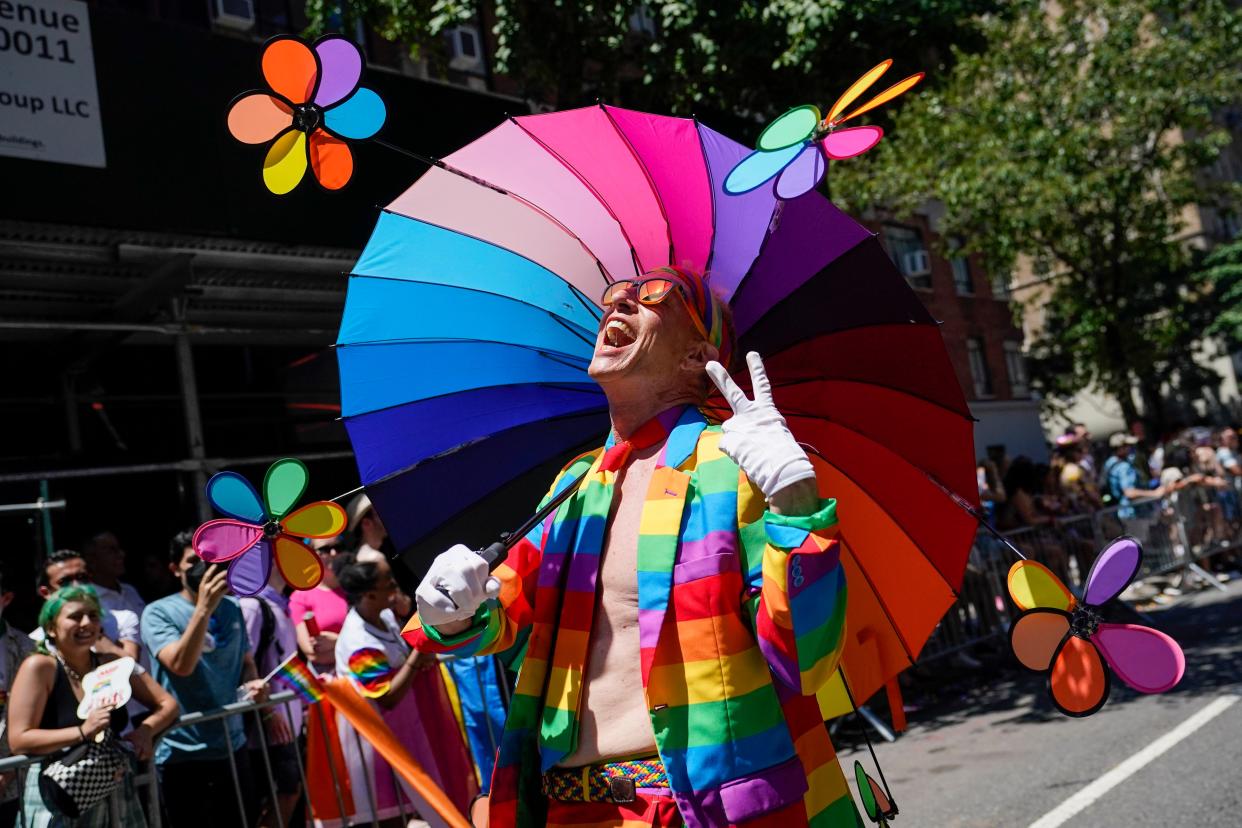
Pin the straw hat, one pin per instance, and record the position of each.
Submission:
(358, 507)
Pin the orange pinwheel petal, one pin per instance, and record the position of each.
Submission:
(903, 85)
(321, 519)
(258, 118)
(1032, 585)
(857, 88)
(1078, 681)
(298, 563)
(290, 69)
(330, 160)
(1035, 637)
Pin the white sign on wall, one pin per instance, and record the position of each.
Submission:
(49, 104)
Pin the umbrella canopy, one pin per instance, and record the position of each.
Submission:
(471, 318)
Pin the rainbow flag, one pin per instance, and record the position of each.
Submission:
(296, 673)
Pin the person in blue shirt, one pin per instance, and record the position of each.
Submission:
(199, 652)
(1125, 484)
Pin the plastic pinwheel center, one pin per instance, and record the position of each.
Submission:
(307, 117)
(271, 529)
(1084, 621)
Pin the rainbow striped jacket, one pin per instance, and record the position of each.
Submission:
(741, 620)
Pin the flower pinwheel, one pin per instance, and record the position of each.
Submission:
(256, 531)
(1066, 638)
(795, 148)
(314, 105)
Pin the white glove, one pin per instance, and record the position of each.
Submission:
(454, 587)
(756, 437)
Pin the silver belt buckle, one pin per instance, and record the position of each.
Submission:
(621, 791)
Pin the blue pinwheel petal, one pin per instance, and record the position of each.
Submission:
(758, 168)
(359, 116)
(231, 494)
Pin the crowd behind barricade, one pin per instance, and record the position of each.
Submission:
(1180, 496)
(197, 650)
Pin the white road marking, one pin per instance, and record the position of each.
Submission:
(1081, 800)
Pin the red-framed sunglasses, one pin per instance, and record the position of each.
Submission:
(651, 291)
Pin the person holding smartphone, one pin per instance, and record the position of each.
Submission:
(199, 651)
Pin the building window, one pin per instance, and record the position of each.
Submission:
(1015, 364)
(906, 249)
(979, 373)
(1000, 286)
(962, 282)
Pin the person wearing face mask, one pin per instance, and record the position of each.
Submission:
(681, 608)
(196, 640)
(42, 715)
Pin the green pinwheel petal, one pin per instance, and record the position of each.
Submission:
(283, 486)
(794, 126)
(864, 791)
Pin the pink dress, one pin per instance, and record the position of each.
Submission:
(423, 721)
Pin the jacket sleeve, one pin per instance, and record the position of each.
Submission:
(795, 588)
(500, 622)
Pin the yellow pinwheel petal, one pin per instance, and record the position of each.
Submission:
(857, 88)
(884, 97)
(1032, 585)
(321, 519)
(285, 163)
(299, 564)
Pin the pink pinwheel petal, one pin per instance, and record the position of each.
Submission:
(217, 541)
(1113, 571)
(846, 143)
(1146, 659)
(249, 573)
(803, 174)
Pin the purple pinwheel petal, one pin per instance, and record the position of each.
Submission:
(1146, 659)
(1113, 571)
(803, 174)
(249, 573)
(340, 68)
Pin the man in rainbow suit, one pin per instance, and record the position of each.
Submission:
(678, 611)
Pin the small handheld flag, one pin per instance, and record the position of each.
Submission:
(296, 673)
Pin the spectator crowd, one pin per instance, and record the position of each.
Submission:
(198, 649)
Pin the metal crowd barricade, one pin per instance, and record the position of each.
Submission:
(1177, 537)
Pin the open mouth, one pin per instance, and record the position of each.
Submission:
(619, 334)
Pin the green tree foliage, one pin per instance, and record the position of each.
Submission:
(1223, 271)
(1076, 141)
(753, 58)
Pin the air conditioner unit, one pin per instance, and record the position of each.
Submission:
(234, 14)
(465, 49)
(915, 263)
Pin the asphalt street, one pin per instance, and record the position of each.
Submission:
(998, 754)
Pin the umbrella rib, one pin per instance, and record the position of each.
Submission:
(446, 452)
(585, 388)
(896, 522)
(901, 639)
(655, 192)
(579, 294)
(482, 182)
(574, 172)
(711, 188)
(772, 234)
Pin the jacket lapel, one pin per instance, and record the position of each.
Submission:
(659, 531)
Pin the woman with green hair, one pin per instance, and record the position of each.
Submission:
(43, 704)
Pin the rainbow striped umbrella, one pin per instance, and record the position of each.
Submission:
(472, 314)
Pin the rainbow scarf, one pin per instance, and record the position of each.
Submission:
(297, 674)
